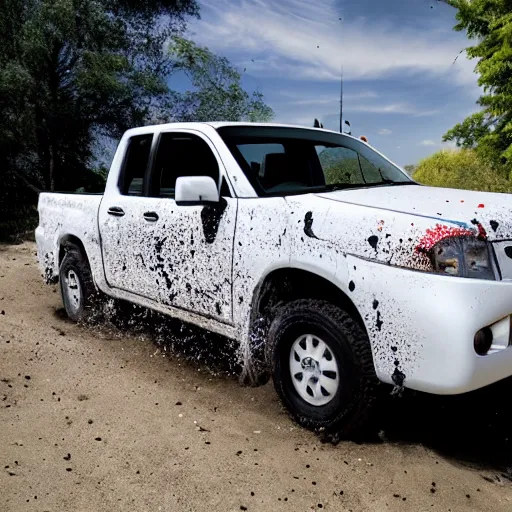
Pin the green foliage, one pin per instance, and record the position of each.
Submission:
(18, 213)
(489, 22)
(410, 169)
(340, 165)
(75, 72)
(73, 68)
(218, 93)
(464, 169)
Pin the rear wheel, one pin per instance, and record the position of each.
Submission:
(79, 294)
(322, 368)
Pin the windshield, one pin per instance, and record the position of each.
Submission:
(284, 161)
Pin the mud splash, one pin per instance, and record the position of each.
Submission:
(172, 338)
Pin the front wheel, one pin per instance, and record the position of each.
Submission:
(322, 368)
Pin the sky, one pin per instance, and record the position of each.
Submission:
(402, 88)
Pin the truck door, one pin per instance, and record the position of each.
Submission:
(121, 223)
(184, 252)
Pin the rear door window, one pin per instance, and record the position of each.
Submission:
(135, 165)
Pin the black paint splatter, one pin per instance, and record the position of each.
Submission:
(398, 377)
(494, 225)
(308, 225)
(211, 216)
(373, 241)
(351, 286)
(375, 303)
(379, 322)
(141, 259)
(159, 244)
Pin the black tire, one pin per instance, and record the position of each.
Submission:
(255, 368)
(348, 414)
(84, 304)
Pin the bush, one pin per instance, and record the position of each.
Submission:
(463, 169)
(18, 211)
(17, 222)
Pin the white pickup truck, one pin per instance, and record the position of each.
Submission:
(332, 268)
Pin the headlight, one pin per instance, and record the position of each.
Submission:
(463, 257)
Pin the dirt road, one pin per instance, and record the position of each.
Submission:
(94, 420)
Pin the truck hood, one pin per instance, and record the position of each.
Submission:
(448, 206)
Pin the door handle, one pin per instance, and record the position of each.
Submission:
(151, 216)
(116, 211)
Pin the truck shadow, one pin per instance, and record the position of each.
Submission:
(473, 429)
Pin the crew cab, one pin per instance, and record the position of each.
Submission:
(333, 270)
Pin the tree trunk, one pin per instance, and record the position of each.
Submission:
(51, 167)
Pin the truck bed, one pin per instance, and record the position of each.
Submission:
(70, 216)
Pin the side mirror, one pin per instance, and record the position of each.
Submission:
(194, 190)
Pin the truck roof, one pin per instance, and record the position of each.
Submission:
(220, 124)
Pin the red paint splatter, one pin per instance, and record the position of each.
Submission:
(462, 200)
(440, 232)
(481, 205)
(482, 234)
(481, 231)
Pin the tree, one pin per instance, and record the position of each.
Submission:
(410, 169)
(489, 22)
(73, 69)
(217, 92)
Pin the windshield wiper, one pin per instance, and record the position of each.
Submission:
(391, 182)
(386, 182)
(343, 186)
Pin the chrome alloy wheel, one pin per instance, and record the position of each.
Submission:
(314, 370)
(72, 290)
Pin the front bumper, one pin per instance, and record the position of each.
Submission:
(422, 326)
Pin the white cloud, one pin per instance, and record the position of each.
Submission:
(298, 39)
(428, 142)
(384, 131)
(449, 144)
(391, 108)
(303, 111)
(298, 107)
(332, 100)
(300, 121)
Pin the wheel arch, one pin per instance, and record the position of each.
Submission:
(290, 283)
(68, 241)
